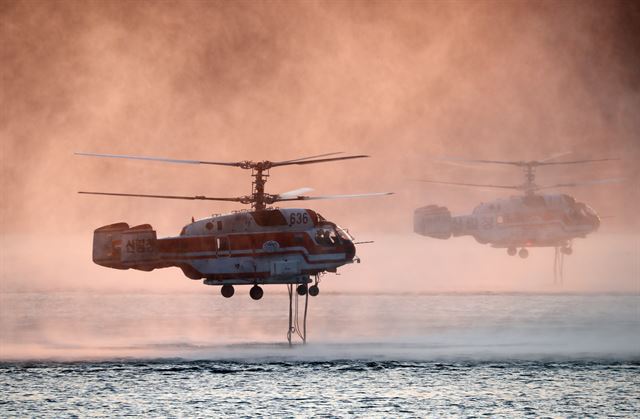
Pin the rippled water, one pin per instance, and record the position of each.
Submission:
(325, 388)
(369, 355)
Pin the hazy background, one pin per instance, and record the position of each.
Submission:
(405, 82)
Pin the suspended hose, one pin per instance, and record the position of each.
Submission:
(558, 266)
(294, 321)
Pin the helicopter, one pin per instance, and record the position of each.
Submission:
(258, 247)
(522, 221)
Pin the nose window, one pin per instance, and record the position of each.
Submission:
(327, 236)
(344, 234)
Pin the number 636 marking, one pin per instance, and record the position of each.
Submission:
(298, 218)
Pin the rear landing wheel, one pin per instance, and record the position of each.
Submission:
(523, 253)
(227, 291)
(314, 290)
(256, 292)
(512, 251)
(302, 289)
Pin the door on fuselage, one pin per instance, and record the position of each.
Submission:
(222, 246)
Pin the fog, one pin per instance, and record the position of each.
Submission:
(71, 326)
(404, 82)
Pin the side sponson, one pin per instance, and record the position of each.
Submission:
(120, 247)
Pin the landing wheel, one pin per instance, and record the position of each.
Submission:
(512, 251)
(314, 290)
(227, 291)
(566, 250)
(301, 289)
(256, 292)
(523, 253)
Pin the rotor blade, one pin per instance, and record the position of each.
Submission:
(470, 184)
(197, 197)
(582, 183)
(294, 193)
(122, 156)
(308, 198)
(573, 161)
(457, 160)
(555, 156)
(311, 157)
(275, 164)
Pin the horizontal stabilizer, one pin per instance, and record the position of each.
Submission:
(122, 247)
(433, 221)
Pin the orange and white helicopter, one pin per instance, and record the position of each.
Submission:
(258, 247)
(529, 220)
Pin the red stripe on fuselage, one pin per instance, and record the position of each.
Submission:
(186, 257)
(238, 242)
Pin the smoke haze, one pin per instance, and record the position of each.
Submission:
(405, 82)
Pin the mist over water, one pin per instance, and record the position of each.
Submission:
(76, 326)
(368, 355)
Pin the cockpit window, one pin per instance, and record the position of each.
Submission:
(344, 234)
(327, 236)
(580, 213)
(268, 218)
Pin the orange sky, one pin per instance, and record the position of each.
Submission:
(405, 82)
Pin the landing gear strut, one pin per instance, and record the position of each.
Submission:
(227, 291)
(256, 292)
(523, 253)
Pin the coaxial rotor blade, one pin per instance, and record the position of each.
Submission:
(311, 157)
(308, 198)
(471, 184)
(582, 183)
(294, 193)
(573, 162)
(544, 162)
(196, 197)
(162, 159)
(555, 156)
(457, 160)
(275, 164)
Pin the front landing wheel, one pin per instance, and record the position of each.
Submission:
(523, 253)
(302, 289)
(512, 251)
(314, 290)
(256, 292)
(227, 291)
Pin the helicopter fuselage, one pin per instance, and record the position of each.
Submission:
(518, 221)
(272, 246)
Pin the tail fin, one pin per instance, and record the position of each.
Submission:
(120, 247)
(432, 221)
